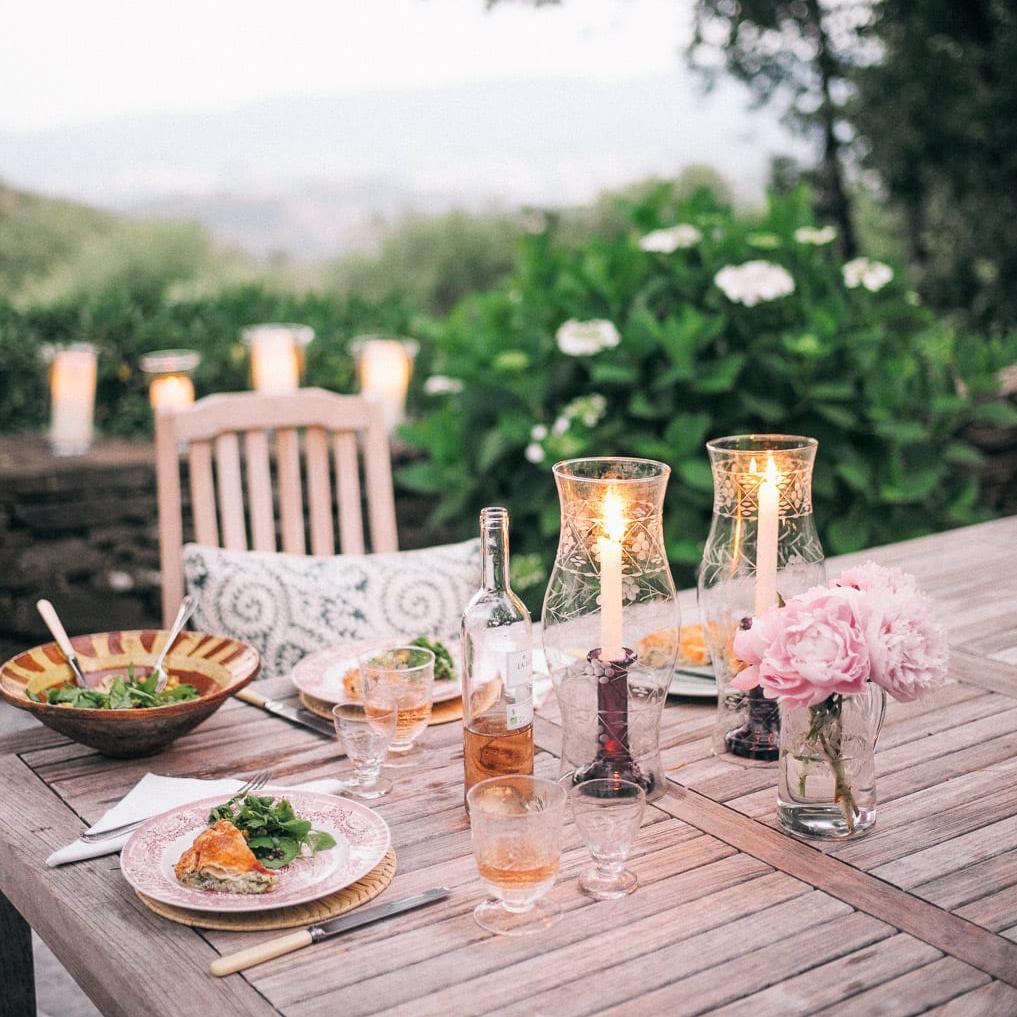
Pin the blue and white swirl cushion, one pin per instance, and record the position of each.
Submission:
(289, 605)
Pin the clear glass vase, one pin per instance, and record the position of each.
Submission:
(610, 620)
(756, 478)
(827, 786)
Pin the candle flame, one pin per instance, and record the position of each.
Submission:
(772, 474)
(753, 468)
(614, 515)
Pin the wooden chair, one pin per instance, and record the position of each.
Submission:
(216, 424)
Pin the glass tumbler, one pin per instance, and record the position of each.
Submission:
(516, 825)
(407, 674)
(365, 731)
(608, 814)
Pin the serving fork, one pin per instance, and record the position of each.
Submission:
(258, 781)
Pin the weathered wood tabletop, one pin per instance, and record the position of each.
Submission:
(732, 916)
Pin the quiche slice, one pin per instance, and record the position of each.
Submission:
(219, 859)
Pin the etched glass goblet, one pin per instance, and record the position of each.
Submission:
(608, 814)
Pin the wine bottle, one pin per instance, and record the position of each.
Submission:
(497, 665)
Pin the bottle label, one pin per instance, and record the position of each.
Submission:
(518, 669)
(518, 715)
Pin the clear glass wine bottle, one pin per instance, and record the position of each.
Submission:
(497, 666)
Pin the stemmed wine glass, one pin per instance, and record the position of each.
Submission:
(406, 673)
(608, 813)
(516, 825)
(366, 730)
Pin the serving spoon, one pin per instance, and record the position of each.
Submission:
(187, 606)
(53, 623)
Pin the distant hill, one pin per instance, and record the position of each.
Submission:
(37, 234)
(313, 176)
(50, 248)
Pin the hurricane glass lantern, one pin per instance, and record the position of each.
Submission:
(277, 355)
(384, 369)
(72, 379)
(762, 548)
(170, 387)
(611, 620)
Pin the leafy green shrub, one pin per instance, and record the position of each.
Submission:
(849, 356)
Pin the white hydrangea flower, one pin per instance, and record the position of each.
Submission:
(560, 426)
(811, 235)
(669, 240)
(873, 275)
(538, 432)
(586, 338)
(754, 282)
(442, 384)
(535, 453)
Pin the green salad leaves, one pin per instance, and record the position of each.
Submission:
(128, 693)
(444, 668)
(273, 830)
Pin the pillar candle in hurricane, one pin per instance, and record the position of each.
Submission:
(767, 536)
(72, 388)
(609, 548)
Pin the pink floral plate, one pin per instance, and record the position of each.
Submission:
(320, 674)
(362, 838)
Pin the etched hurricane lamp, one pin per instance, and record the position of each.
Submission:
(762, 548)
(610, 620)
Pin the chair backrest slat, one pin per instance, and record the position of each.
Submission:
(331, 425)
(206, 530)
(291, 502)
(259, 490)
(319, 491)
(231, 492)
(347, 493)
(380, 497)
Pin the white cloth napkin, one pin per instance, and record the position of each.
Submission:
(149, 797)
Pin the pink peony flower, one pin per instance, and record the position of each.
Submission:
(908, 649)
(878, 579)
(810, 649)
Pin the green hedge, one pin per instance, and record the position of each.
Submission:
(868, 372)
(125, 323)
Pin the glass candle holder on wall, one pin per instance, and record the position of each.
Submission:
(762, 548)
(72, 378)
(611, 620)
(384, 369)
(170, 387)
(277, 355)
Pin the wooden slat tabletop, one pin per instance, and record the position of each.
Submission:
(732, 916)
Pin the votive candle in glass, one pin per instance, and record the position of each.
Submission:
(170, 387)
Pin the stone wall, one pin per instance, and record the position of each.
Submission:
(84, 533)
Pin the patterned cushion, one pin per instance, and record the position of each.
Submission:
(288, 605)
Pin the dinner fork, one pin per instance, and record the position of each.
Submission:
(255, 783)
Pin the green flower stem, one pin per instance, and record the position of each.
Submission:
(826, 730)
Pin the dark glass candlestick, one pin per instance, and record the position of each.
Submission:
(759, 737)
(613, 760)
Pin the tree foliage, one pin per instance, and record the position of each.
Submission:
(937, 112)
(796, 55)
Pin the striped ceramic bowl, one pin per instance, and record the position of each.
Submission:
(215, 665)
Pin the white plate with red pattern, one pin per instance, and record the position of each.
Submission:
(362, 838)
(320, 674)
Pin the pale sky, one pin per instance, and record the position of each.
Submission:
(74, 61)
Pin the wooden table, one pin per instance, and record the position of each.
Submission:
(732, 916)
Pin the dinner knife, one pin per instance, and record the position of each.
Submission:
(316, 933)
(287, 712)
